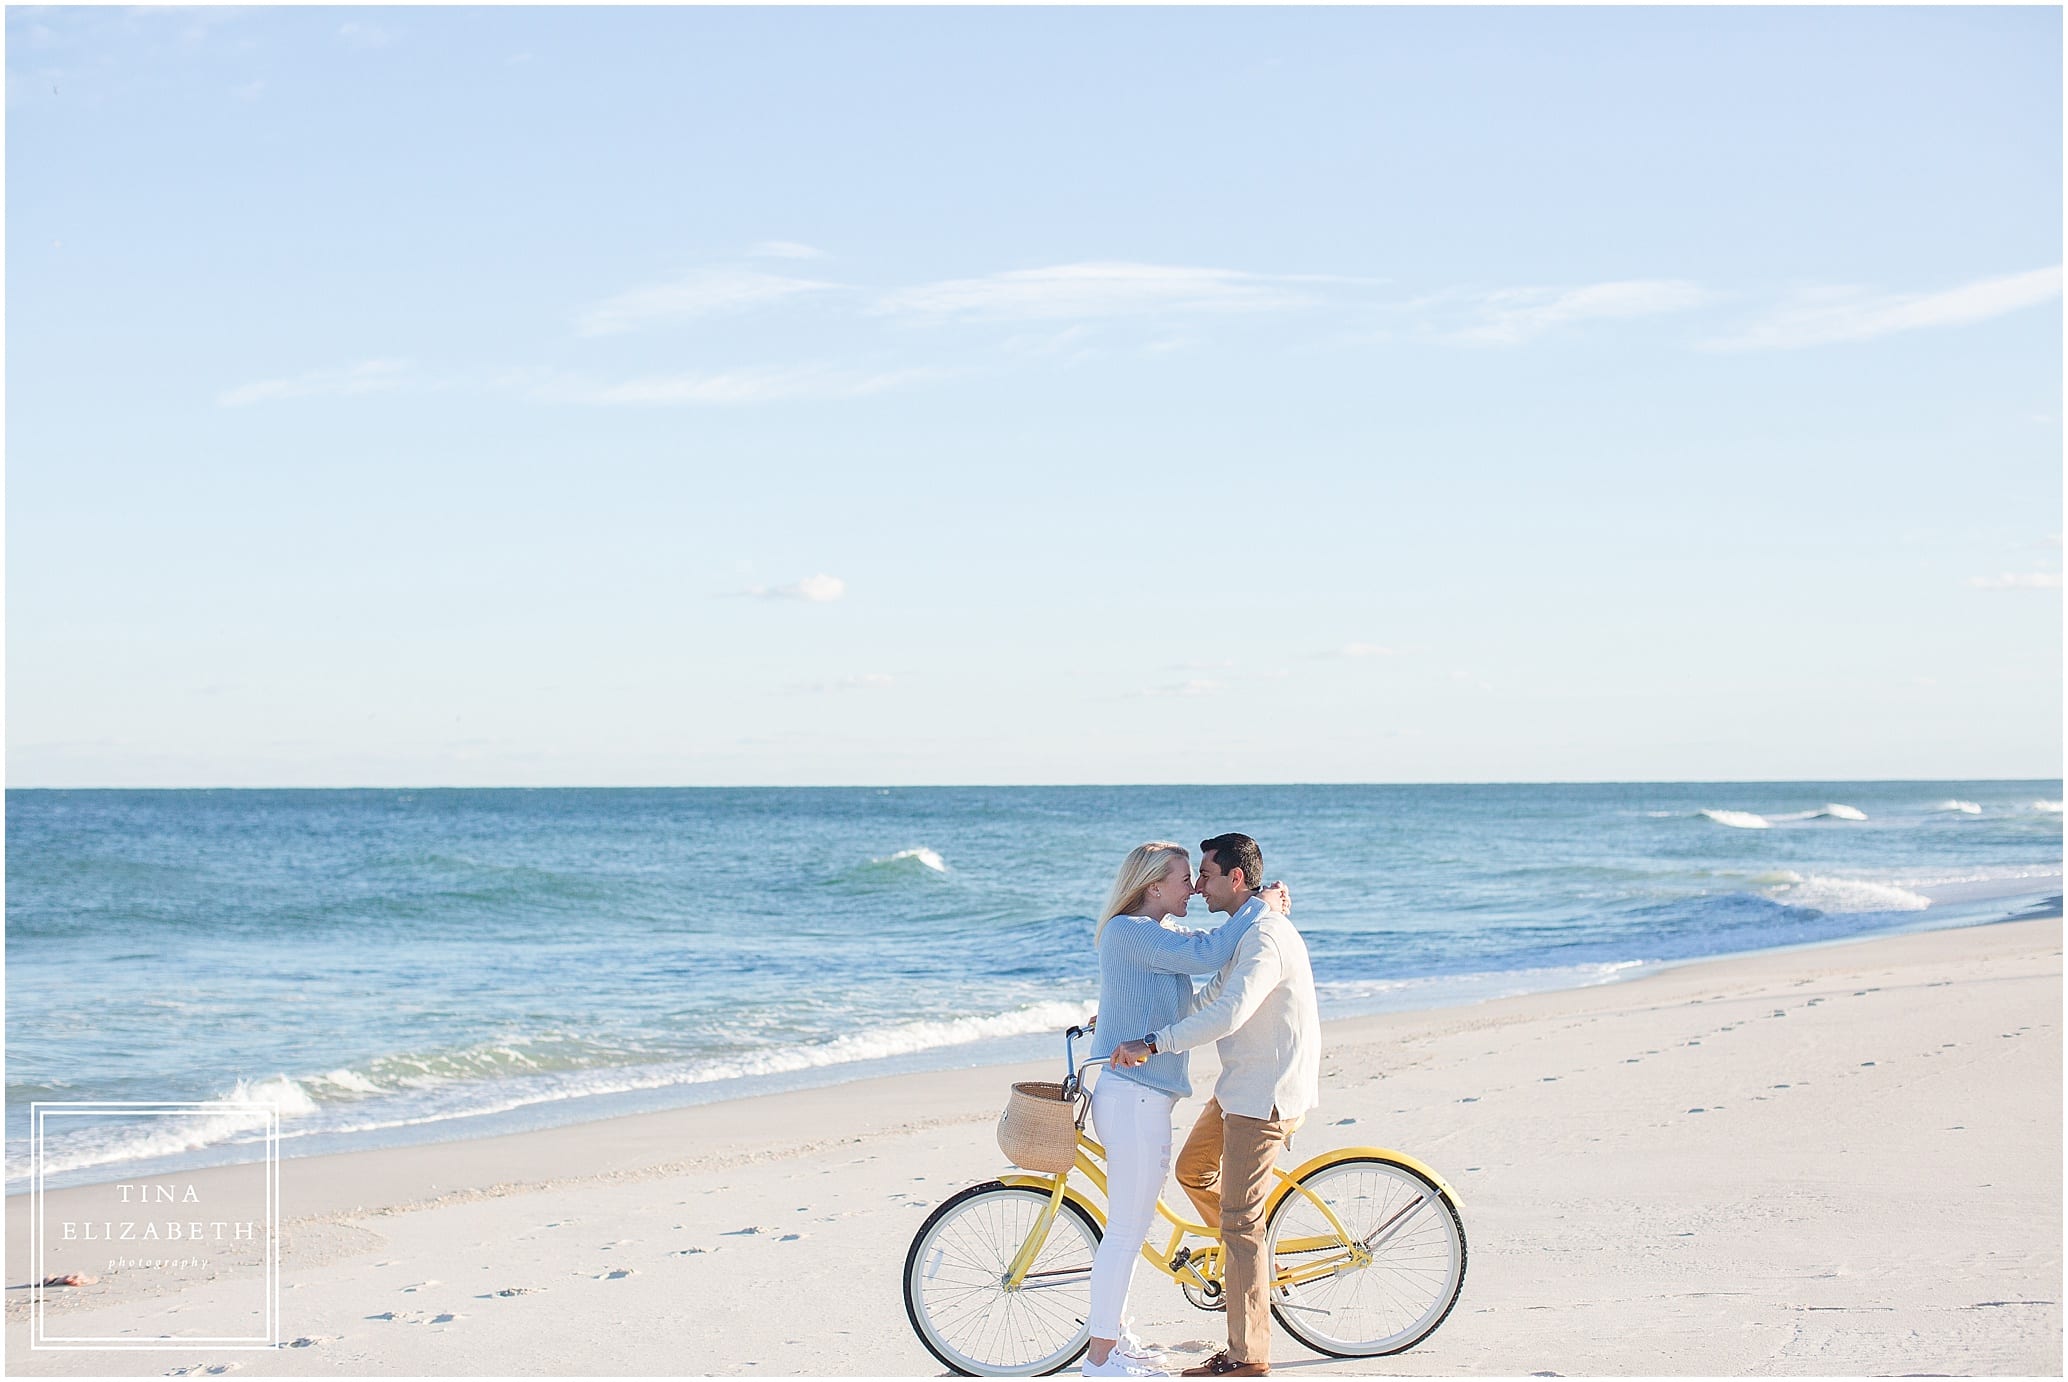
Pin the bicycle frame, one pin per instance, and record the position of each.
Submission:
(1203, 1265)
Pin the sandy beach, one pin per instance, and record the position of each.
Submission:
(1834, 1160)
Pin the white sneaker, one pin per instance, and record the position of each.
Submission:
(1140, 1349)
(1119, 1364)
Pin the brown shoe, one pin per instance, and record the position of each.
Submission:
(1222, 1365)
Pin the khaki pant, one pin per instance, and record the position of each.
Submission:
(1225, 1168)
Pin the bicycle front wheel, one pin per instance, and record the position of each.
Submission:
(1417, 1270)
(955, 1291)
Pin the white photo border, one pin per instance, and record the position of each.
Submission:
(269, 1338)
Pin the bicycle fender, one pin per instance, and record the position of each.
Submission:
(1046, 1185)
(1347, 1153)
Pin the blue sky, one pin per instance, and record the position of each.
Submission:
(656, 396)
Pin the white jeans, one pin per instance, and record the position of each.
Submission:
(1133, 1124)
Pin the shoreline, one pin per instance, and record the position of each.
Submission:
(998, 1052)
(1852, 1134)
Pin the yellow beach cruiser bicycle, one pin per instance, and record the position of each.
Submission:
(1368, 1246)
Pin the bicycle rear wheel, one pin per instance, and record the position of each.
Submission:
(955, 1293)
(1417, 1244)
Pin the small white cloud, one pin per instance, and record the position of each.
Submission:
(1827, 316)
(785, 249)
(740, 386)
(2019, 580)
(1365, 650)
(698, 294)
(369, 376)
(1197, 686)
(360, 35)
(819, 590)
(1514, 315)
(1104, 289)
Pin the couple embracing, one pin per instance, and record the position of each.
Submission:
(1260, 1008)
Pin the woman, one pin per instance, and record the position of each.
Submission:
(1144, 962)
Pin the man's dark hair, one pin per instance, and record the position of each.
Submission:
(1234, 852)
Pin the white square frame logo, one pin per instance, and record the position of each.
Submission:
(270, 1338)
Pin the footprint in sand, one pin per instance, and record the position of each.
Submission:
(615, 1274)
(314, 1340)
(423, 1286)
(416, 1317)
(749, 1231)
(691, 1252)
(516, 1291)
(203, 1370)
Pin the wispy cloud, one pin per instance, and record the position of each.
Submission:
(864, 681)
(739, 386)
(819, 590)
(369, 376)
(1828, 316)
(1365, 650)
(698, 294)
(1197, 686)
(2018, 580)
(1104, 289)
(360, 35)
(785, 249)
(1511, 316)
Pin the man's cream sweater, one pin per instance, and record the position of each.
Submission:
(1261, 1009)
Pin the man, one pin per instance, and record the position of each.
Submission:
(1261, 1009)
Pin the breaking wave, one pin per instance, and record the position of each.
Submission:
(1840, 895)
(1742, 820)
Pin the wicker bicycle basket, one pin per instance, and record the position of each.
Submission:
(1038, 1130)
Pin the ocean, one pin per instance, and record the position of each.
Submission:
(396, 966)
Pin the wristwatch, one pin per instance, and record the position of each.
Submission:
(1150, 1042)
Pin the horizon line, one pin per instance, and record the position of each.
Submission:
(952, 786)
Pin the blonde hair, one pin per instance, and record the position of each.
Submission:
(1144, 866)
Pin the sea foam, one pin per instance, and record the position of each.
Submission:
(1743, 820)
(1847, 895)
(168, 1135)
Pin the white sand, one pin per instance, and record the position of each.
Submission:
(1837, 1160)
